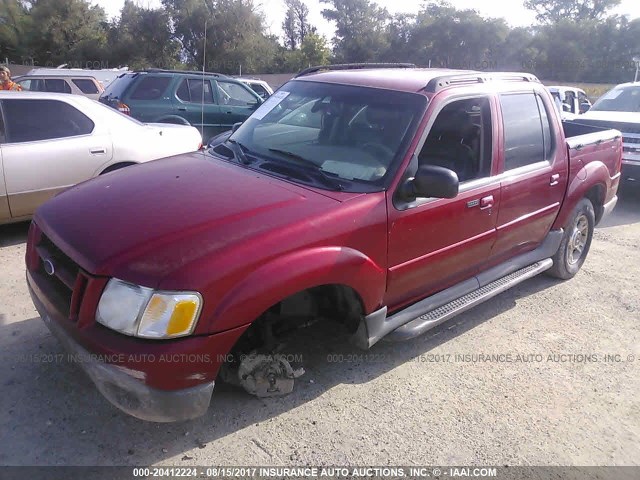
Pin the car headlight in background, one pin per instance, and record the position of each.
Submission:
(146, 313)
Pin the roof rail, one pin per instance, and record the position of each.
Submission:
(190, 72)
(352, 66)
(438, 83)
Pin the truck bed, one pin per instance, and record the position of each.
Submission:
(588, 143)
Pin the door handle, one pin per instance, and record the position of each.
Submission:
(98, 151)
(182, 109)
(229, 112)
(486, 202)
(554, 179)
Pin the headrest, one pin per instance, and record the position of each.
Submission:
(452, 121)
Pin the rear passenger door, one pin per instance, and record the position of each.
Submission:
(194, 101)
(49, 146)
(534, 174)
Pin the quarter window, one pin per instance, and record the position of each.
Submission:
(86, 85)
(526, 126)
(33, 120)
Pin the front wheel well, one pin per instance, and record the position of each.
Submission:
(334, 303)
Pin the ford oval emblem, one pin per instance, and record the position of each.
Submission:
(48, 267)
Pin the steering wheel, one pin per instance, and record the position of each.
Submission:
(376, 148)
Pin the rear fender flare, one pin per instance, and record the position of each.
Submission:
(590, 175)
(296, 272)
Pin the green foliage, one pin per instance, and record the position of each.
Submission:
(554, 11)
(576, 40)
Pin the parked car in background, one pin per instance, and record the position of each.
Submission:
(571, 100)
(385, 201)
(261, 87)
(210, 102)
(103, 75)
(619, 108)
(51, 141)
(87, 86)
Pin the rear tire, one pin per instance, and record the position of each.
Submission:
(576, 241)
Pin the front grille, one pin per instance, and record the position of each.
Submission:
(61, 278)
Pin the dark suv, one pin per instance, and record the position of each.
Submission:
(209, 101)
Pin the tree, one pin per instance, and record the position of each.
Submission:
(296, 23)
(142, 38)
(15, 24)
(68, 31)
(553, 11)
(235, 34)
(360, 29)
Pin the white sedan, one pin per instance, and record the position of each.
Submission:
(51, 141)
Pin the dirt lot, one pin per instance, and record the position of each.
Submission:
(411, 403)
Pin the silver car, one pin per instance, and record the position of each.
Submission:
(78, 85)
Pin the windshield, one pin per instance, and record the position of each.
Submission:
(620, 99)
(354, 135)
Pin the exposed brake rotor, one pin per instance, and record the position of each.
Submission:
(267, 375)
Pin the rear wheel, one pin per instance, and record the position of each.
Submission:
(575, 243)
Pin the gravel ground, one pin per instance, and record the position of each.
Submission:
(405, 404)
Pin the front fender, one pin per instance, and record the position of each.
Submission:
(593, 174)
(295, 272)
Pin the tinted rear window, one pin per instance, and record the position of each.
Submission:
(86, 85)
(150, 88)
(117, 87)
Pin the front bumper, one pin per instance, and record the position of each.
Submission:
(126, 392)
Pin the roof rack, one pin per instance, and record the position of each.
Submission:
(353, 66)
(190, 72)
(438, 83)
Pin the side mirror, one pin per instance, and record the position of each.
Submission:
(435, 182)
(584, 107)
(235, 127)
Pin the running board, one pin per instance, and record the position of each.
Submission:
(441, 314)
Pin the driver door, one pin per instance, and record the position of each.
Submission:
(436, 243)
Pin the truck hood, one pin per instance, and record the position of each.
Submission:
(142, 223)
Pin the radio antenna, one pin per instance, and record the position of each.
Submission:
(204, 63)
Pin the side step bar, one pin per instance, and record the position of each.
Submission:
(441, 314)
(431, 311)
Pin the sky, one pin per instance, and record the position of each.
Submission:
(513, 11)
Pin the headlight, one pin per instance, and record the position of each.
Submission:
(146, 313)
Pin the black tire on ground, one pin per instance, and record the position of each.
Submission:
(576, 241)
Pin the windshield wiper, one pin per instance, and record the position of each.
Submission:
(327, 180)
(239, 151)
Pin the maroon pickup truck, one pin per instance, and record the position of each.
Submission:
(384, 199)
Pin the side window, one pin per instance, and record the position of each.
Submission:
(86, 85)
(25, 84)
(33, 120)
(260, 90)
(546, 129)
(461, 139)
(150, 88)
(523, 135)
(57, 85)
(191, 90)
(234, 94)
